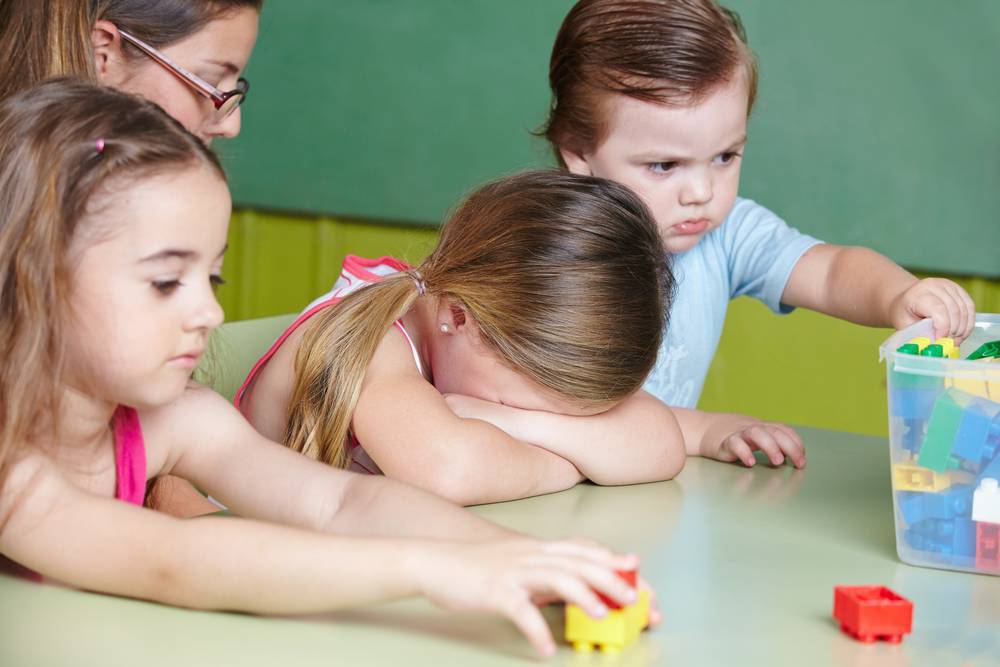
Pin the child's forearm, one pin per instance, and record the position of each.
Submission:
(636, 441)
(371, 506)
(850, 283)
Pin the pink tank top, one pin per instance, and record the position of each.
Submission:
(355, 274)
(130, 473)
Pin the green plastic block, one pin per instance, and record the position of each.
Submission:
(933, 350)
(908, 348)
(935, 453)
(991, 349)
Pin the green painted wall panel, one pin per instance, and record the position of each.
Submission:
(876, 122)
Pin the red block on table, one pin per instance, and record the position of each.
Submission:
(630, 577)
(868, 613)
(988, 545)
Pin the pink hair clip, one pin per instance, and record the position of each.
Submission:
(99, 144)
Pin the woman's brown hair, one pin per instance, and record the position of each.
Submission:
(564, 275)
(63, 146)
(664, 51)
(45, 38)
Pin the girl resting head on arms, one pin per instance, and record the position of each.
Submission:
(507, 364)
(112, 232)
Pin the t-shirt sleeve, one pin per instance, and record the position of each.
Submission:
(761, 250)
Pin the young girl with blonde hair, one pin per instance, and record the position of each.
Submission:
(112, 232)
(507, 364)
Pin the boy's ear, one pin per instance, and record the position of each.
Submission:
(575, 163)
(106, 43)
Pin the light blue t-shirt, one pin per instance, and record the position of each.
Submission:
(751, 253)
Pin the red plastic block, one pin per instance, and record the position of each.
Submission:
(988, 545)
(630, 577)
(868, 613)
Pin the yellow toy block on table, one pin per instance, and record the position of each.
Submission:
(613, 632)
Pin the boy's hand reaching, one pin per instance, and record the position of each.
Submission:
(948, 305)
(733, 437)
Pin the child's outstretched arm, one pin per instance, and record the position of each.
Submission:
(638, 440)
(404, 424)
(864, 287)
(733, 437)
(54, 527)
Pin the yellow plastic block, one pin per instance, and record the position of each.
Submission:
(917, 478)
(948, 347)
(985, 388)
(613, 632)
(920, 342)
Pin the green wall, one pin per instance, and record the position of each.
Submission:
(876, 123)
(803, 368)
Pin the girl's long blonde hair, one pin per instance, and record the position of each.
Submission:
(565, 276)
(63, 145)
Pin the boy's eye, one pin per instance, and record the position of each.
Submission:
(166, 286)
(216, 280)
(726, 158)
(661, 167)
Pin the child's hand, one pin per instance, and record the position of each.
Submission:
(509, 576)
(948, 305)
(735, 437)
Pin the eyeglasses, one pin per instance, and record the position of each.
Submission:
(225, 102)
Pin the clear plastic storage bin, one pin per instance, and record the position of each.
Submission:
(944, 444)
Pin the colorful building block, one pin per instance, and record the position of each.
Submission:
(978, 437)
(907, 477)
(949, 537)
(986, 350)
(935, 452)
(915, 506)
(986, 501)
(615, 631)
(988, 546)
(870, 613)
(912, 403)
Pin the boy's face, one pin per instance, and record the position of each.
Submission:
(683, 161)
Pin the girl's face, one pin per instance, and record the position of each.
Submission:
(145, 265)
(218, 53)
(683, 161)
(462, 364)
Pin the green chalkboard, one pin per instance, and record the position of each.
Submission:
(878, 123)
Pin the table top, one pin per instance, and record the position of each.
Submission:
(744, 563)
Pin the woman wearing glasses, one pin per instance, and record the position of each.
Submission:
(185, 55)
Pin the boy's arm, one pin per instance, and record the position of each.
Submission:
(638, 440)
(864, 287)
(733, 437)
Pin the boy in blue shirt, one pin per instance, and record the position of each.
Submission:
(655, 94)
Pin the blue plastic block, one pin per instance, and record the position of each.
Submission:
(950, 537)
(916, 506)
(913, 434)
(912, 403)
(991, 469)
(978, 435)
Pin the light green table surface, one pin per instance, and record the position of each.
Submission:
(744, 562)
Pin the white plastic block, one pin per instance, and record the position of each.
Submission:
(986, 501)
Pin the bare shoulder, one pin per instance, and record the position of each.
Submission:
(265, 402)
(30, 486)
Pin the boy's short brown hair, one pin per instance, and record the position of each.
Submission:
(671, 52)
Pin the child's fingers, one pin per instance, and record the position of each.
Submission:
(531, 623)
(740, 449)
(591, 577)
(791, 446)
(762, 438)
(968, 311)
(569, 587)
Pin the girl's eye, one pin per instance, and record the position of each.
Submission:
(661, 167)
(166, 286)
(216, 280)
